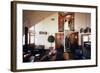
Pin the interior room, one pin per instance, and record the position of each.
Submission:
(56, 36)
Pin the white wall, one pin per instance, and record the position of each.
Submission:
(47, 25)
(82, 20)
(42, 20)
(5, 38)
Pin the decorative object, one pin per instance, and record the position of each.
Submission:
(87, 30)
(17, 8)
(43, 32)
(81, 30)
(51, 39)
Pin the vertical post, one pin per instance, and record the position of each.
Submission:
(26, 35)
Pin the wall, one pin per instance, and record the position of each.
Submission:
(47, 25)
(82, 20)
(42, 20)
(5, 39)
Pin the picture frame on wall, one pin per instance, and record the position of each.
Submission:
(33, 23)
